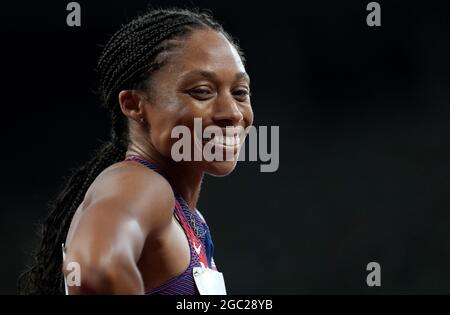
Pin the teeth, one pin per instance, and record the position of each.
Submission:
(226, 140)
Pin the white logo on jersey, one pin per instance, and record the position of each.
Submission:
(197, 249)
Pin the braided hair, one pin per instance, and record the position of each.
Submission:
(127, 61)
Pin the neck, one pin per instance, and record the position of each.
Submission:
(184, 178)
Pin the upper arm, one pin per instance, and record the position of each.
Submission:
(110, 234)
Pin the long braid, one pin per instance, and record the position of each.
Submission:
(129, 58)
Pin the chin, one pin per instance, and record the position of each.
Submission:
(220, 169)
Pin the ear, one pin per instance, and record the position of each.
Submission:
(131, 104)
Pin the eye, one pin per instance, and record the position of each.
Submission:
(201, 93)
(241, 94)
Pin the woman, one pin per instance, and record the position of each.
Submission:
(128, 217)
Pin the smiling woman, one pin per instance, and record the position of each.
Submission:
(128, 217)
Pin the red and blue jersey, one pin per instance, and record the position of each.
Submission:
(200, 243)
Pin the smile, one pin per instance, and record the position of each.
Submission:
(230, 141)
(212, 143)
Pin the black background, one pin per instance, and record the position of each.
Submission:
(364, 122)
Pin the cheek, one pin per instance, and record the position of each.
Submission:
(161, 134)
(248, 115)
(187, 110)
(165, 119)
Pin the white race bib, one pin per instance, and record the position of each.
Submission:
(208, 281)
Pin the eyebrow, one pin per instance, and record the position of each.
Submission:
(243, 75)
(212, 76)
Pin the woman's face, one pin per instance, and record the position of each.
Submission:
(204, 78)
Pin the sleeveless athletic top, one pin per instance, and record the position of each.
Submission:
(200, 243)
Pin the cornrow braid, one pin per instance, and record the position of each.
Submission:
(127, 61)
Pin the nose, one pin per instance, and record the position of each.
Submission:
(227, 112)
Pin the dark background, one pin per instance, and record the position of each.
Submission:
(364, 122)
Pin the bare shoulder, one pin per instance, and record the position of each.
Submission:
(125, 205)
(135, 189)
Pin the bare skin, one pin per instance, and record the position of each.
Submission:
(124, 235)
